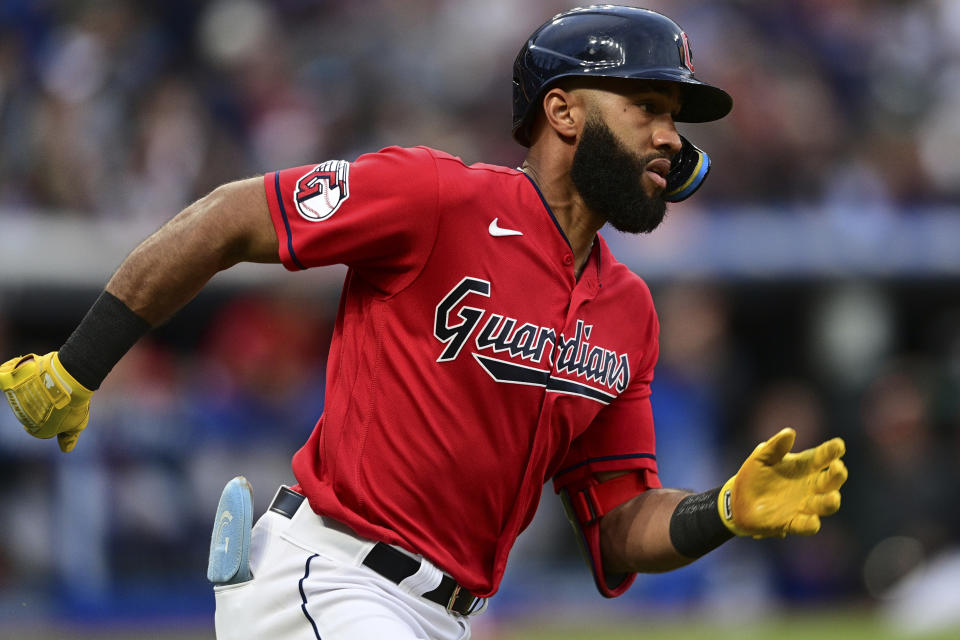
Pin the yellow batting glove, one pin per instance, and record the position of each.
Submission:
(45, 398)
(776, 492)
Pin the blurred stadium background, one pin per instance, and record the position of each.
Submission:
(813, 282)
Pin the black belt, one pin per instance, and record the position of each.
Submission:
(393, 564)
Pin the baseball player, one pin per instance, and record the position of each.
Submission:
(486, 342)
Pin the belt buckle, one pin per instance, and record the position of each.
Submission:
(479, 605)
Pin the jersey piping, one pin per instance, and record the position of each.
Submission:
(286, 221)
(626, 456)
(546, 206)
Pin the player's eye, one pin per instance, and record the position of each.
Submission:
(651, 106)
(657, 107)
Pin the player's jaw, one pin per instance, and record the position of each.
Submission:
(622, 187)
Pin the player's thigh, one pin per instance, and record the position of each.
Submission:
(310, 607)
(356, 613)
(350, 602)
(301, 594)
(268, 606)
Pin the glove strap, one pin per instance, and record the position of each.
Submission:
(105, 334)
(696, 527)
(725, 505)
(73, 388)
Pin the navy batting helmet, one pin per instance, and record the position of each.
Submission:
(612, 42)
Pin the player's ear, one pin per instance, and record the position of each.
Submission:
(564, 112)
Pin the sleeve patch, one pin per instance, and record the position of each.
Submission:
(321, 191)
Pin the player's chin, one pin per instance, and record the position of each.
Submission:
(642, 220)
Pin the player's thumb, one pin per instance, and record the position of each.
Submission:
(772, 451)
(8, 377)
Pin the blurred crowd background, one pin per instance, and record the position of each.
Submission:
(813, 282)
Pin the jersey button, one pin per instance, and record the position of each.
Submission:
(568, 259)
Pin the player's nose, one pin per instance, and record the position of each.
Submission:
(665, 136)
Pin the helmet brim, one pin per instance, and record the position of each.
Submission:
(702, 103)
(699, 101)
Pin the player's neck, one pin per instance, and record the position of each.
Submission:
(579, 224)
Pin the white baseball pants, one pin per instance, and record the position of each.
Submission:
(310, 584)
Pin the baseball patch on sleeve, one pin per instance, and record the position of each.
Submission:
(321, 191)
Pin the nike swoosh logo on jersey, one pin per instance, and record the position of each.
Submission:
(498, 232)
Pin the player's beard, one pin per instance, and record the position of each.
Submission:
(610, 180)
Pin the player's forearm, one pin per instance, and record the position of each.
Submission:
(635, 537)
(51, 394)
(168, 269)
(230, 225)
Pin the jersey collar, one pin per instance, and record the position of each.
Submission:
(546, 206)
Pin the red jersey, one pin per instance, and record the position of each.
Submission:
(468, 364)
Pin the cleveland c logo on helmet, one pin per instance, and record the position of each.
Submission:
(687, 54)
(321, 191)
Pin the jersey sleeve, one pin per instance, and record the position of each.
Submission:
(621, 437)
(377, 215)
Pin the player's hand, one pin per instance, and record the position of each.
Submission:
(45, 398)
(777, 492)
